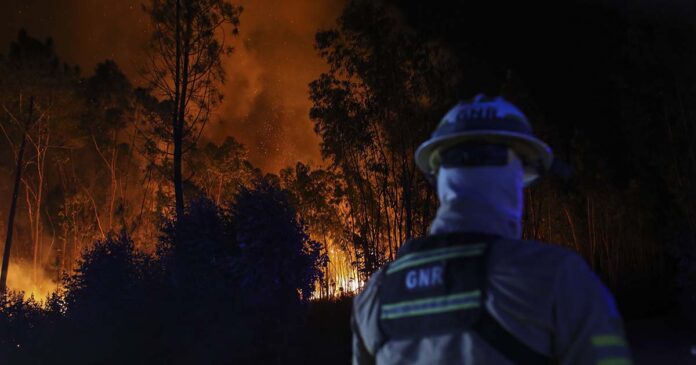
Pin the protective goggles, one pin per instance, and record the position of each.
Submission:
(474, 154)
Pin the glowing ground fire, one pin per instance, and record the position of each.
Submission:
(21, 279)
(340, 277)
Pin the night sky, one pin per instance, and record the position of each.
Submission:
(266, 102)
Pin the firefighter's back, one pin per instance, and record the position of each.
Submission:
(472, 299)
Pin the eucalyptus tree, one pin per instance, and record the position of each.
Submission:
(185, 69)
(384, 92)
(39, 106)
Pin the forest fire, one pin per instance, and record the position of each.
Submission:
(215, 181)
(340, 274)
(22, 279)
(256, 77)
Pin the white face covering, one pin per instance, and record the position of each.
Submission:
(481, 199)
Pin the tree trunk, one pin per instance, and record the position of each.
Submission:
(41, 146)
(178, 188)
(13, 203)
(183, 94)
(177, 123)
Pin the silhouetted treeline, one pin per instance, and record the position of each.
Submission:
(234, 288)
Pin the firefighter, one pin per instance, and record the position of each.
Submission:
(472, 291)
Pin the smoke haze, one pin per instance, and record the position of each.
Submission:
(266, 102)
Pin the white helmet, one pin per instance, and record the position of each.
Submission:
(486, 120)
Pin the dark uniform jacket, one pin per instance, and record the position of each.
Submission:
(475, 299)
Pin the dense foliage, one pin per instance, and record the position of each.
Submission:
(235, 286)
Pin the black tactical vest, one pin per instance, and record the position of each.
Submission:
(437, 285)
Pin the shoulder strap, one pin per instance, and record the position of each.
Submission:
(505, 343)
(495, 335)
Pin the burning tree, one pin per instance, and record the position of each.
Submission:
(109, 106)
(382, 96)
(32, 71)
(219, 171)
(316, 194)
(185, 69)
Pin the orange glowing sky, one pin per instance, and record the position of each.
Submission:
(266, 95)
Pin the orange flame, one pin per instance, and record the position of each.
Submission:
(20, 278)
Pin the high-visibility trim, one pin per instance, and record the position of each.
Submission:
(424, 257)
(615, 361)
(433, 305)
(606, 340)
